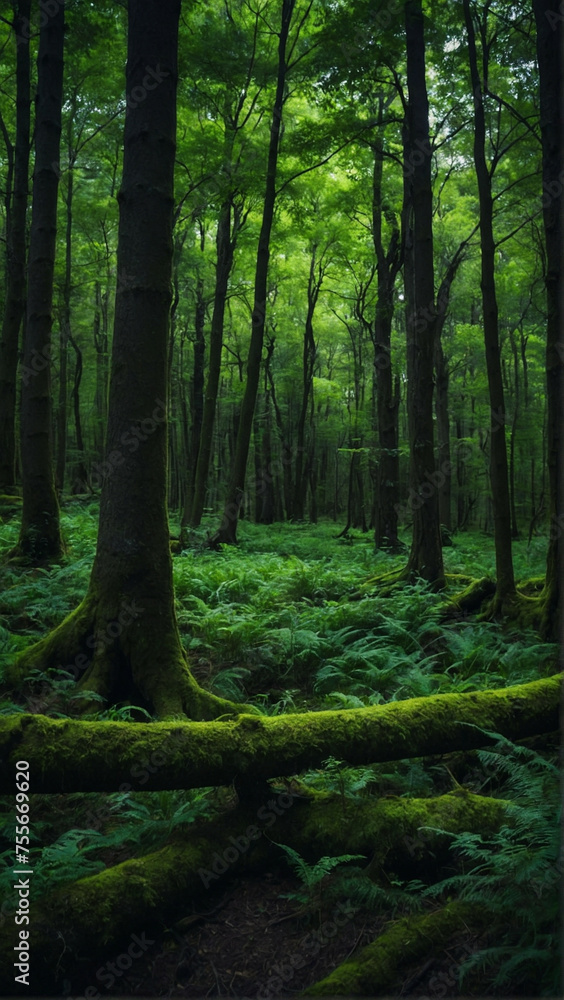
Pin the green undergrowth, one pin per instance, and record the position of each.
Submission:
(279, 619)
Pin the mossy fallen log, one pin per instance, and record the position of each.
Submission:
(378, 966)
(66, 755)
(96, 916)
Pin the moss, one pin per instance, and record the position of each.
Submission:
(379, 966)
(70, 755)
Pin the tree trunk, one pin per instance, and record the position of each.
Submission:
(387, 393)
(549, 54)
(225, 250)
(315, 279)
(123, 638)
(227, 532)
(15, 255)
(499, 481)
(72, 756)
(81, 474)
(40, 536)
(65, 334)
(425, 559)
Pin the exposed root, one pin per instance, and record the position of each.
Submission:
(123, 650)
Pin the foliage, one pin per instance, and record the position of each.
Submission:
(515, 874)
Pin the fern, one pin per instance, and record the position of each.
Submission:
(311, 875)
(514, 873)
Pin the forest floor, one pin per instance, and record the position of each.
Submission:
(287, 622)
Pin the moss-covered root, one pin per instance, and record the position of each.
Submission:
(124, 649)
(471, 598)
(378, 967)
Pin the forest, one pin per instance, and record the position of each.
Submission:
(281, 481)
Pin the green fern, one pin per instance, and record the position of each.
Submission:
(311, 875)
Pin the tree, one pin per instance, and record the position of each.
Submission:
(15, 250)
(425, 558)
(549, 54)
(127, 617)
(505, 579)
(40, 535)
(227, 532)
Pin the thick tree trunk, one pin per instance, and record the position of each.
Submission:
(123, 640)
(227, 532)
(15, 255)
(499, 480)
(425, 558)
(549, 54)
(40, 536)
(68, 755)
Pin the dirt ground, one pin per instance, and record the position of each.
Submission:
(252, 943)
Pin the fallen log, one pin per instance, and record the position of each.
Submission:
(66, 755)
(377, 967)
(96, 917)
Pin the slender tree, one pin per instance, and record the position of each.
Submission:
(499, 479)
(425, 558)
(227, 531)
(40, 535)
(549, 53)
(15, 252)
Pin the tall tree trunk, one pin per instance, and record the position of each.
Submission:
(15, 255)
(80, 475)
(549, 54)
(227, 531)
(65, 332)
(102, 358)
(425, 559)
(499, 480)
(40, 535)
(194, 506)
(315, 279)
(387, 389)
(123, 638)
(196, 394)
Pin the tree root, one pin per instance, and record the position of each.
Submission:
(124, 650)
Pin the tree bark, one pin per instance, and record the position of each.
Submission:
(40, 535)
(123, 640)
(549, 54)
(15, 255)
(387, 390)
(72, 756)
(499, 480)
(225, 249)
(227, 532)
(425, 558)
